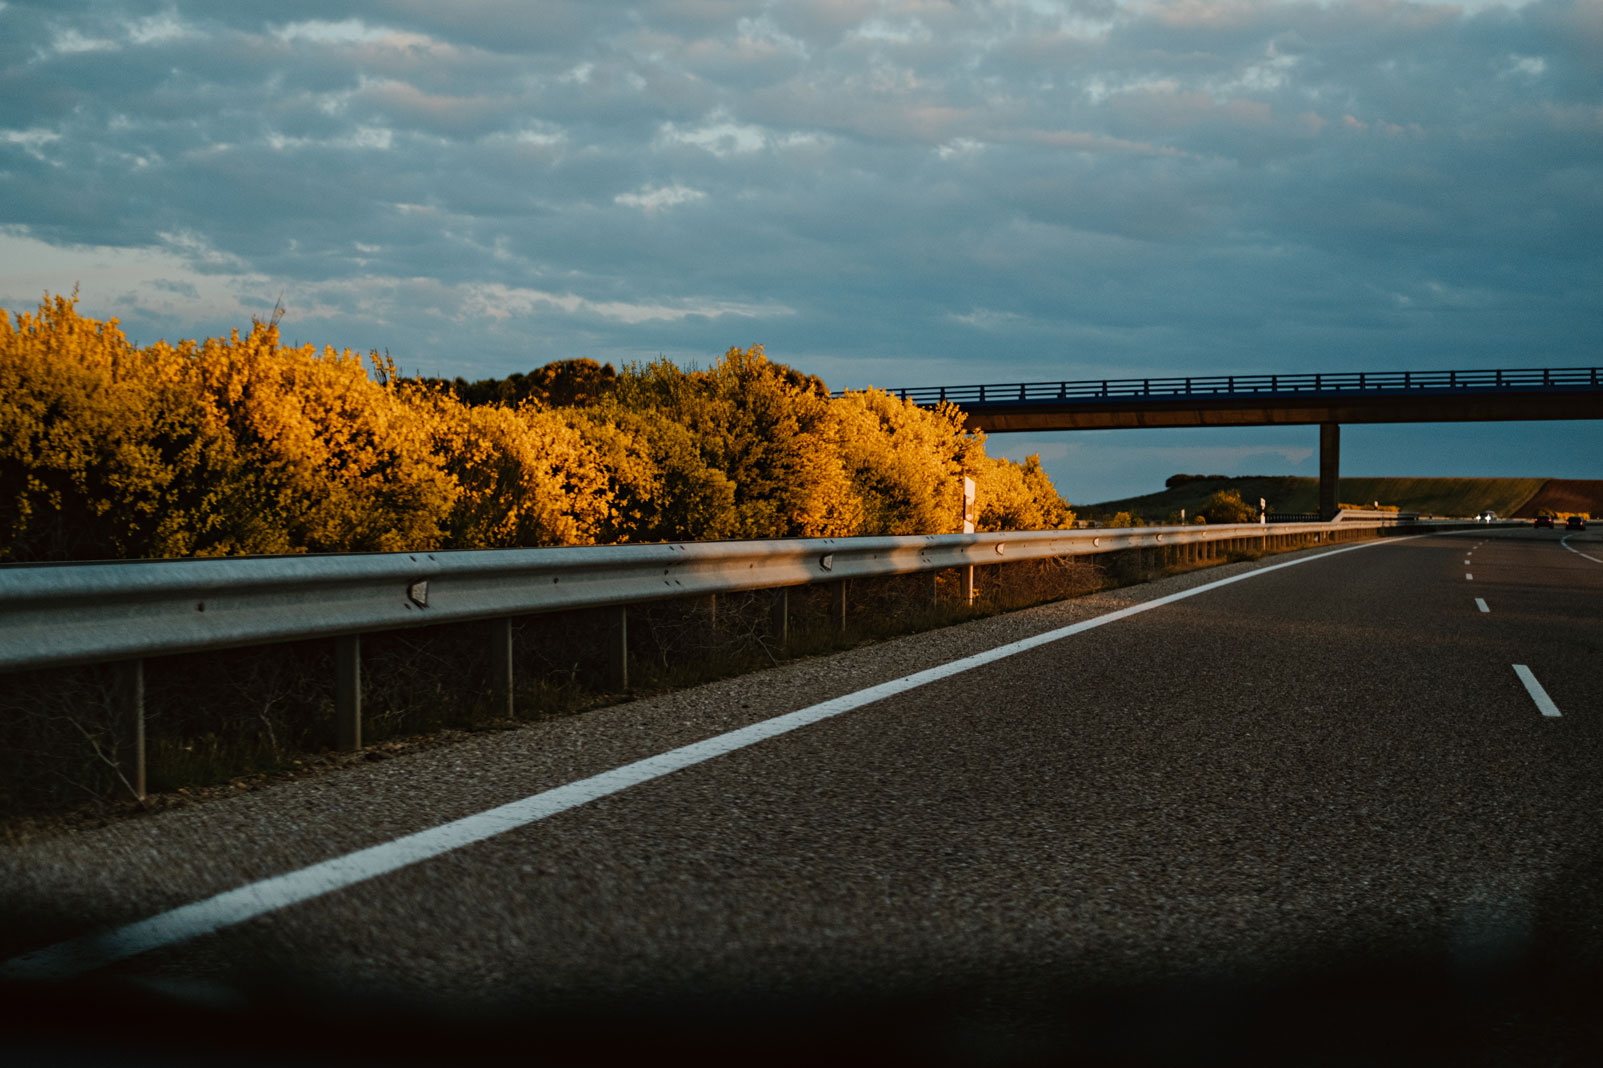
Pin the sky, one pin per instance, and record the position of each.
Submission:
(894, 193)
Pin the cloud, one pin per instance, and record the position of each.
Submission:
(503, 302)
(653, 199)
(899, 192)
(717, 135)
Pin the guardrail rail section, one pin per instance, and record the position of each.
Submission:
(124, 612)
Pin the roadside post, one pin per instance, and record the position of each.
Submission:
(969, 516)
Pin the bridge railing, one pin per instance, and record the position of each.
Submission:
(1367, 383)
(123, 612)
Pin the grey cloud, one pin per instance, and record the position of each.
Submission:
(1010, 193)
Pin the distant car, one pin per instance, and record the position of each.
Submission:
(1487, 516)
(1544, 521)
(1574, 522)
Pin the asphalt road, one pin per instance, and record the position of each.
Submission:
(1315, 814)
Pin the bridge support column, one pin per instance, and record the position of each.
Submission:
(1329, 468)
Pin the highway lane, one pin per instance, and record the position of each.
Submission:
(1328, 769)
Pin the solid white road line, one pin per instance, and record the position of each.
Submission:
(1481, 604)
(1565, 541)
(1534, 688)
(78, 955)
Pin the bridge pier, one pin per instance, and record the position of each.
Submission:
(1329, 469)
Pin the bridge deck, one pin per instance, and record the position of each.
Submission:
(1256, 400)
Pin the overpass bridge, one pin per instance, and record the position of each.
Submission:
(1327, 400)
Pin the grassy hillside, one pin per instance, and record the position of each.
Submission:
(1561, 496)
(1287, 493)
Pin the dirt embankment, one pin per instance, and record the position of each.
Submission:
(1565, 495)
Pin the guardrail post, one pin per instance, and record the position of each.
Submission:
(618, 647)
(348, 692)
(935, 589)
(128, 712)
(967, 571)
(837, 609)
(712, 613)
(501, 665)
(779, 616)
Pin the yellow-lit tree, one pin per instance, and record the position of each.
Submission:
(241, 445)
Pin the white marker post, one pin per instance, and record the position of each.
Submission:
(969, 516)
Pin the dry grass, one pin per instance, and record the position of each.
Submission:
(1288, 493)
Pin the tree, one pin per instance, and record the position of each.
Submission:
(241, 445)
(906, 463)
(334, 460)
(525, 477)
(1226, 506)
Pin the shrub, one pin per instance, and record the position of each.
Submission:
(1226, 506)
(241, 445)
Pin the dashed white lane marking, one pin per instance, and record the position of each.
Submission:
(75, 956)
(1534, 688)
(1481, 604)
(1565, 541)
(1468, 577)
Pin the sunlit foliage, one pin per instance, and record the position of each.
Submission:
(522, 476)
(1226, 506)
(87, 466)
(906, 463)
(243, 445)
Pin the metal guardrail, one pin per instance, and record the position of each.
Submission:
(1306, 386)
(62, 614)
(123, 612)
